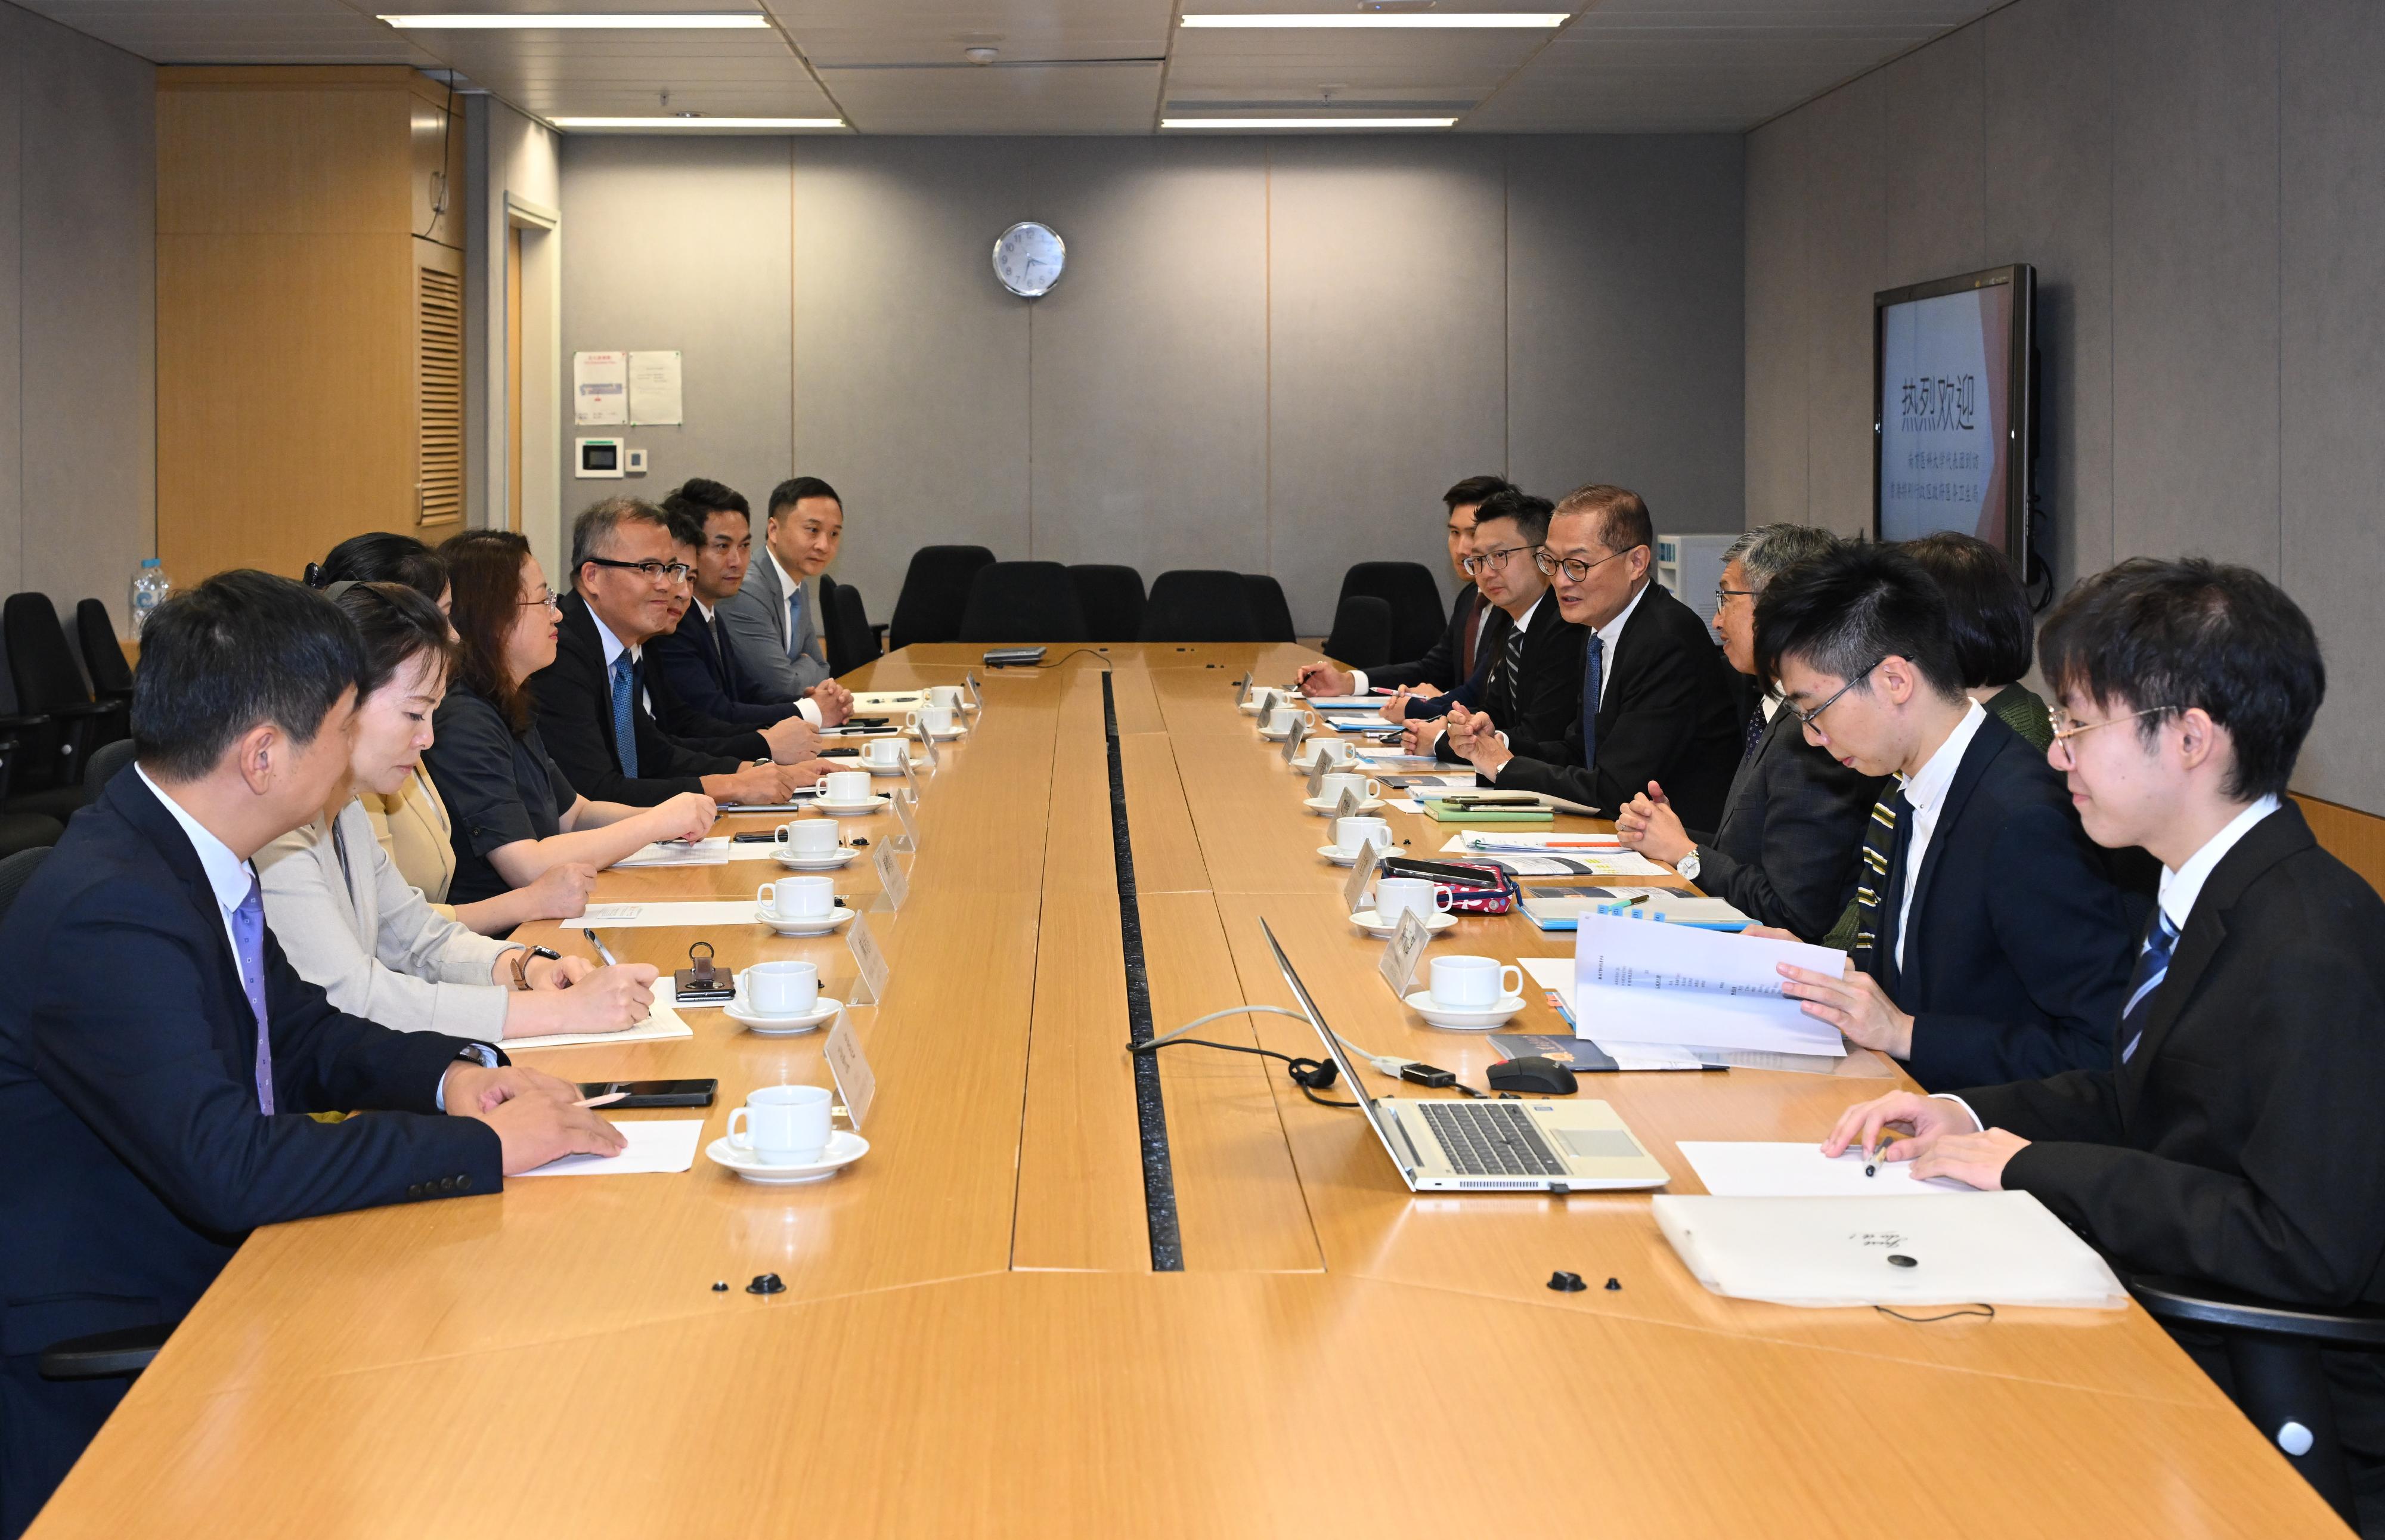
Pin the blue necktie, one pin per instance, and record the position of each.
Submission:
(248, 935)
(1593, 654)
(625, 736)
(2153, 966)
(1756, 723)
(796, 623)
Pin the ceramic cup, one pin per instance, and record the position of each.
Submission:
(883, 752)
(1395, 896)
(1333, 751)
(796, 897)
(937, 720)
(1279, 719)
(785, 1125)
(944, 695)
(845, 787)
(785, 988)
(1473, 983)
(1349, 834)
(808, 836)
(1331, 788)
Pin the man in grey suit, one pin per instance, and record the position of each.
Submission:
(1792, 825)
(774, 620)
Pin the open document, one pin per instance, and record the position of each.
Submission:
(1636, 982)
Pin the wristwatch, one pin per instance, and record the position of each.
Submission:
(1688, 865)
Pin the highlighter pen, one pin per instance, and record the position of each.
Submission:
(602, 950)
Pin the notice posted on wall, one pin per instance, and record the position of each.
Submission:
(654, 389)
(600, 389)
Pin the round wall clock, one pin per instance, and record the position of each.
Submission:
(1028, 257)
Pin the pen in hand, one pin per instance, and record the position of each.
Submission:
(602, 950)
(606, 1100)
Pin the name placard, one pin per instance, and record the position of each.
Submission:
(1348, 806)
(891, 879)
(1362, 876)
(1401, 952)
(854, 1082)
(928, 747)
(1242, 690)
(1292, 739)
(868, 960)
(1316, 777)
(906, 811)
(975, 697)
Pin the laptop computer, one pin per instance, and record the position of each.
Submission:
(1489, 1146)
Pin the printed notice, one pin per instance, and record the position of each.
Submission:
(600, 389)
(655, 389)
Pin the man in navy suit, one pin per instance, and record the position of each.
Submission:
(698, 679)
(1995, 946)
(159, 1056)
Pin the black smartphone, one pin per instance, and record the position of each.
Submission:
(1437, 871)
(755, 837)
(653, 1093)
(866, 722)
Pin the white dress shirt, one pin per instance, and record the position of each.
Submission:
(1609, 634)
(1926, 789)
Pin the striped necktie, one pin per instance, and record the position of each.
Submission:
(625, 734)
(2153, 967)
(1872, 878)
(1511, 666)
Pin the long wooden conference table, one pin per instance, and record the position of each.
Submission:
(1032, 1309)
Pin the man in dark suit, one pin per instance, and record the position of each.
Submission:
(1997, 946)
(1794, 825)
(2230, 1138)
(626, 575)
(159, 1056)
(1529, 670)
(698, 682)
(774, 618)
(1450, 661)
(1658, 701)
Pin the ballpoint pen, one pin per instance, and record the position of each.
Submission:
(602, 950)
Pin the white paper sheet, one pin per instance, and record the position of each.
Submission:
(667, 1144)
(713, 851)
(1644, 982)
(726, 911)
(655, 397)
(1756, 1167)
(1574, 842)
(661, 1023)
(600, 390)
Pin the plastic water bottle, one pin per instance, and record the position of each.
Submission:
(150, 586)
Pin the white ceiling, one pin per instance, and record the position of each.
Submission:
(1087, 66)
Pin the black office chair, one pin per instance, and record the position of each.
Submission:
(50, 685)
(1022, 601)
(935, 590)
(2273, 1358)
(1199, 604)
(1112, 599)
(851, 640)
(1362, 634)
(107, 758)
(1267, 608)
(102, 654)
(1419, 618)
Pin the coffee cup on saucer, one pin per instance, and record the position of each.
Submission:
(845, 787)
(796, 898)
(885, 754)
(1472, 984)
(1395, 896)
(1332, 752)
(1282, 719)
(944, 695)
(1351, 834)
(784, 1125)
(935, 719)
(1329, 788)
(783, 988)
(808, 836)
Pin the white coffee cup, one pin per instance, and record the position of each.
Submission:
(1279, 719)
(1349, 834)
(1331, 788)
(808, 836)
(785, 988)
(937, 720)
(1265, 700)
(785, 1125)
(1473, 983)
(796, 897)
(1333, 751)
(944, 695)
(884, 752)
(845, 787)
(1395, 896)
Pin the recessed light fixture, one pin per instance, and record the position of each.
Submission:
(651, 22)
(1306, 122)
(1384, 18)
(690, 122)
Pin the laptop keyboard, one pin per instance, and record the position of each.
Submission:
(1490, 1139)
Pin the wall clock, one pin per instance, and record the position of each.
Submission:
(1027, 258)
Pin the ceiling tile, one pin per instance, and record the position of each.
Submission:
(1080, 98)
(834, 33)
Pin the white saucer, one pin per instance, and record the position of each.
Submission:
(840, 857)
(1274, 737)
(1372, 924)
(1464, 1020)
(1303, 763)
(823, 1011)
(892, 770)
(852, 810)
(941, 737)
(1319, 804)
(843, 1148)
(1338, 856)
(820, 926)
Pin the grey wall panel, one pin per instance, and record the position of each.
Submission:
(1845, 237)
(2331, 452)
(1625, 312)
(1387, 298)
(14, 25)
(90, 327)
(2194, 303)
(911, 363)
(1933, 148)
(1149, 388)
(682, 245)
(2048, 195)
(1778, 292)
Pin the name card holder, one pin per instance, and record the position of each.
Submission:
(855, 1081)
(1400, 952)
(1348, 806)
(870, 988)
(1292, 739)
(928, 748)
(893, 881)
(1242, 689)
(975, 697)
(1362, 877)
(906, 802)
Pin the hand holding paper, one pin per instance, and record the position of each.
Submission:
(1641, 983)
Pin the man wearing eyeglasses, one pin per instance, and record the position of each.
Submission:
(629, 579)
(1656, 702)
(1992, 946)
(1449, 662)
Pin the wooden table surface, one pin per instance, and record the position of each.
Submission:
(972, 1337)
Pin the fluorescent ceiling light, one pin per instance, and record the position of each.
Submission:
(1306, 122)
(653, 21)
(697, 122)
(1385, 18)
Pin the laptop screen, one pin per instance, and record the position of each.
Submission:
(1333, 1048)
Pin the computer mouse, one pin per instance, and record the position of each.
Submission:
(1534, 1075)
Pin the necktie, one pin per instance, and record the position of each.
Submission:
(796, 623)
(1872, 878)
(1594, 659)
(1511, 665)
(1756, 726)
(625, 736)
(1469, 627)
(2153, 966)
(248, 936)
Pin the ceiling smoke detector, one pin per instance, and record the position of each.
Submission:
(980, 55)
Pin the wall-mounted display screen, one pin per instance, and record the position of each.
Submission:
(1952, 408)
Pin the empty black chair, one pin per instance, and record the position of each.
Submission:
(935, 591)
(102, 654)
(1112, 600)
(1268, 609)
(50, 685)
(1362, 634)
(1198, 605)
(1419, 618)
(107, 758)
(845, 627)
(1022, 601)
(17, 871)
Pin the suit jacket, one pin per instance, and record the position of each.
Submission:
(2019, 958)
(1791, 832)
(2241, 1144)
(137, 1159)
(756, 621)
(1545, 693)
(1670, 714)
(574, 696)
(699, 684)
(1438, 666)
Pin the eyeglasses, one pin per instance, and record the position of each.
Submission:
(654, 571)
(1805, 719)
(1492, 559)
(544, 596)
(2065, 729)
(1575, 568)
(1723, 596)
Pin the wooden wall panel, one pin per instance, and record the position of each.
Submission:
(2355, 838)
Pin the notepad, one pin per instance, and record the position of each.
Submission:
(729, 911)
(660, 1147)
(705, 852)
(1757, 1168)
(661, 1022)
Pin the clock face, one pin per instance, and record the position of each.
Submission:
(1027, 258)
